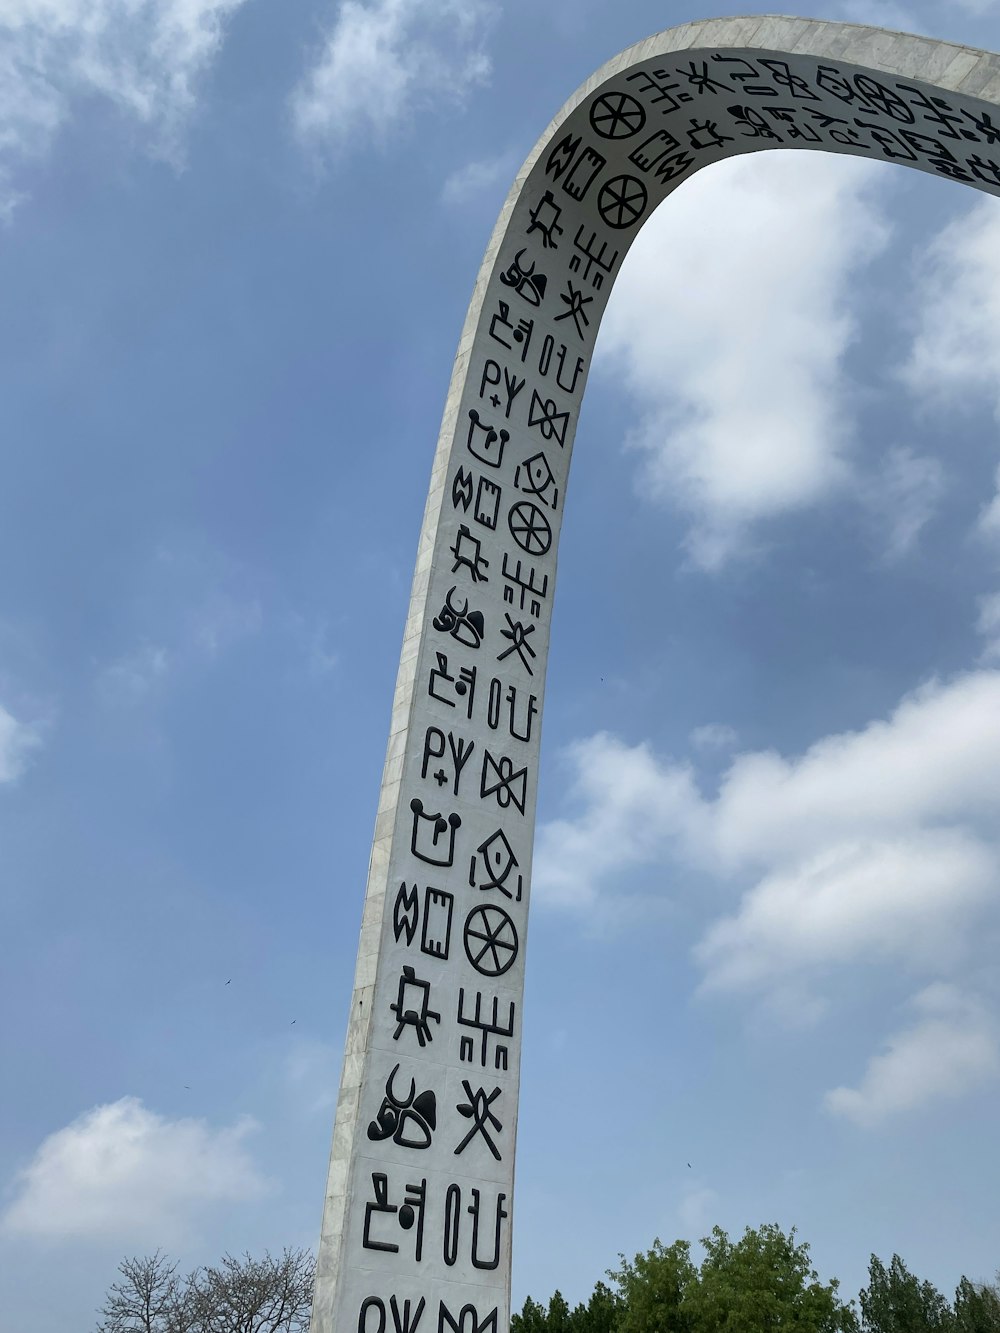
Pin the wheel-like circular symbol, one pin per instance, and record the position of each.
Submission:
(530, 528)
(883, 98)
(621, 201)
(617, 116)
(490, 941)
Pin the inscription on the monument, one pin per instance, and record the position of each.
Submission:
(426, 1241)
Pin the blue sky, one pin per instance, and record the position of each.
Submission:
(238, 242)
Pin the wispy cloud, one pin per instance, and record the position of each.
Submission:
(121, 1171)
(988, 625)
(875, 844)
(950, 1049)
(903, 496)
(476, 179)
(729, 322)
(132, 677)
(383, 61)
(714, 736)
(17, 742)
(144, 56)
(954, 360)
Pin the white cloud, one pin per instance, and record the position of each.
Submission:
(956, 346)
(955, 356)
(383, 61)
(17, 740)
(470, 182)
(729, 322)
(951, 1049)
(875, 848)
(714, 736)
(908, 897)
(903, 498)
(634, 807)
(145, 56)
(874, 844)
(988, 625)
(132, 677)
(935, 760)
(122, 1171)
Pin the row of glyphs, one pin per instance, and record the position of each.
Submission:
(433, 1159)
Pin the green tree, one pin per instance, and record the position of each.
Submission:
(559, 1317)
(653, 1289)
(600, 1314)
(977, 1307)
(761, 1282)
(532, 1319)
(896, 1301)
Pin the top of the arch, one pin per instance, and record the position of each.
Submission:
(959, 69)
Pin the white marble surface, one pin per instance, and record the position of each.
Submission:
(417, 1226)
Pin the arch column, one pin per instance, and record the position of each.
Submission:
(419, 1205)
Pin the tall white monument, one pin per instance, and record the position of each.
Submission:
(419, 1207)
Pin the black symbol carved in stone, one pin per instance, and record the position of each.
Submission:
(406, 912)
(465, 626)
(489, 1027)
(409, 1121)
(529, 589)
(622, 201)
(652, 82)
(705, 134)
(490, 941)
(499, 863)
(525, 281)
(529, 527)
(700, 79)
(496, 699)
(413, 992)
(450, 749)
(487, 498)
(518, 635)
(544, 218)
(449, 689)
(402, 1321)
(576, 301)
(502, 780)
(452, 1225)
(595, 259)
(548, 347)
(583, 173)
(519, 332)
(535, 477)
(410, 1211)
(468, 552)
(551, 423)
(616, 116)
(467, 1320)
(433, 838)
(493, 377)
(435, 938)
(561, 156)
(484, 442)
(477, 1109)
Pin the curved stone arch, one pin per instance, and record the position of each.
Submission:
(417, 1222)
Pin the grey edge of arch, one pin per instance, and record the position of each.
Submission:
(369, 1278)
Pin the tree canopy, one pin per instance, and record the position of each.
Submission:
(764, 1281)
